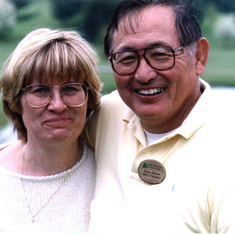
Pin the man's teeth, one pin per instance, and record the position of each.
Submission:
(151, 91)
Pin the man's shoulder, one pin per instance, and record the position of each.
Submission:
(112, 97)
(106, 118)
(111, 110)
(112, 101)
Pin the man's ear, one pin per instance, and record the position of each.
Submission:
(201, 55)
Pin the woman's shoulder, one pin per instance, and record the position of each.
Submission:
(10, 146)
(9, 153)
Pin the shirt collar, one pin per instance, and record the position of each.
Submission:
(194, 121)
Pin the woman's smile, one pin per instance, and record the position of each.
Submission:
(57, 121)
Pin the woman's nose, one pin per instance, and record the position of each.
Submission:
(56, 103)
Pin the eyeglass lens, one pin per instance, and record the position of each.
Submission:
(73, 94)
(160, 58)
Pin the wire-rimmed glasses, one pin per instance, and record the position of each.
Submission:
(39, 95)
(158, 57)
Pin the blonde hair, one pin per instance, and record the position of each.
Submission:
(43, 55)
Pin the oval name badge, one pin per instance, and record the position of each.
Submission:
(152, 171)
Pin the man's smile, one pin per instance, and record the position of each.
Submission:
(153, 91)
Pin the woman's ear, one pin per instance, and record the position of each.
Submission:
(201, 55)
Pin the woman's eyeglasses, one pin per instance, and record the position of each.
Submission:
(72, 94)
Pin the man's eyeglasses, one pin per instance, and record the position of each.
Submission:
(72, 94)
(159, 57)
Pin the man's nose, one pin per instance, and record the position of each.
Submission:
(145, 72)
(56, 103)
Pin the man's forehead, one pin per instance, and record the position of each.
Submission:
(152, 25)
(133, 21)
(130, 23)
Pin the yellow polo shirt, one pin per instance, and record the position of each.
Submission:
(198, 193)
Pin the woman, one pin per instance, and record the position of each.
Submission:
(47, 178)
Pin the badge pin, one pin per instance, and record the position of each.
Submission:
(152, 171)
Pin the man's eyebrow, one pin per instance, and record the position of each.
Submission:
(126, 48)
(154, 44)
(157, 44)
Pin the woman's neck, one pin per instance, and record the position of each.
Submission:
(43, 160)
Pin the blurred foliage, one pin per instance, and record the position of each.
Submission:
(89, 16)
(93, 16)
(221, 5)
(210, 16)
(219, 28)
(224, 5)
(7, 17)
(20, 3)
(3, 119)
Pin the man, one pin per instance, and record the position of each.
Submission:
(163, 163)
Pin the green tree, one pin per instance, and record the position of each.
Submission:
(20, 3)
(89, 16)
(224, 5)
(210, 16)
(7, 17)
(221, 5)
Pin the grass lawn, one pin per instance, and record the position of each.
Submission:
(220, 69)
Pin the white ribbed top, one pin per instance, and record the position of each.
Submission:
(67, 211)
